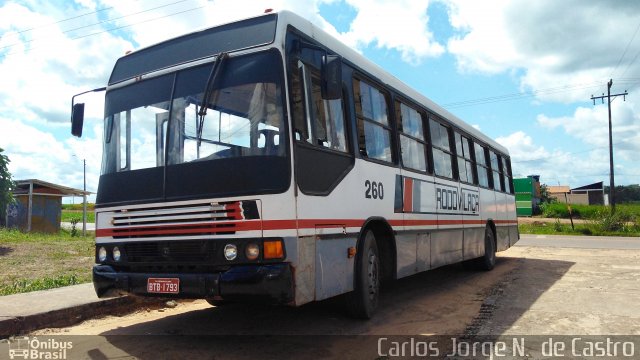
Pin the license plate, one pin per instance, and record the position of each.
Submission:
(163, 285)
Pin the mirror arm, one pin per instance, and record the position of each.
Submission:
(73, 98)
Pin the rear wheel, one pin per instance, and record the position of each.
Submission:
(488, 261)
(363, 300)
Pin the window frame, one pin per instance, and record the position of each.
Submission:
(508, 175)
(360, 120)
(484, 165)
(307, 72)
(470, 141)
(441, 122)
(399, 101)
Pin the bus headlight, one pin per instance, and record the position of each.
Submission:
(116, 254)
(252, 251)
(102, 254)
(230, 252)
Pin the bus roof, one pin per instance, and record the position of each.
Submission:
(287, 18)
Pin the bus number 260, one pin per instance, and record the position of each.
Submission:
(373, 190)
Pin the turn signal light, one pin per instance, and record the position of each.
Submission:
(273, 249)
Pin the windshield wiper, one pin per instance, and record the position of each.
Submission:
(208, 90)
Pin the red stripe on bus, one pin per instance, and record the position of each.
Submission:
(408, 195)
(226, 227)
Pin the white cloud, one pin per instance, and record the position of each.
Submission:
(591, 126)
(398, 25)
(555, 166)
(568, 49)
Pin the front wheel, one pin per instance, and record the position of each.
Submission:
(363, 300)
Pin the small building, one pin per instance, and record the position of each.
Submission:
(527, 191)
(559, 192)
(38, 205)
(594, 193)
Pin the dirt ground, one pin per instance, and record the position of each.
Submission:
(532, 220)
(532, 291)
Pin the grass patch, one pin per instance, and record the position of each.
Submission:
(78, 207)
(560, 210)
(27, 285)
(592, 228)
(68, 215)
(32, 261)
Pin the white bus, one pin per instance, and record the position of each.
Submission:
(265, 160)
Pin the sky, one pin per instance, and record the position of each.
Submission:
(523, 72)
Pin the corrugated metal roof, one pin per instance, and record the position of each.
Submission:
(43, 187)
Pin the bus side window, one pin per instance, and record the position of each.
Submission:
(328, 118)
(374, 131)
(316, 121)
(465, 164)
(442, 155)
(412, 140)
(506, 170)
(481, 162)
(495, 167)
(298, 108)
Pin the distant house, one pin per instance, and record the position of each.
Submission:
(38, 205)
(592, 194)
(560, 192)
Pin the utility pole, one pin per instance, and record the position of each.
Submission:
(612, 185)
(84, 198)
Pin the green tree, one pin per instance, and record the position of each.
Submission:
(6, 185)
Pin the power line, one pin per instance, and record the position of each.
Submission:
(571, 153)
(64, 20)
(118, 28)
(520, 95)
(94, 24)
(625, 50)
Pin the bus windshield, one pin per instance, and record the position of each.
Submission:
(160, 121)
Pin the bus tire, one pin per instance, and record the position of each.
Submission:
(488, 261)
(363, 300)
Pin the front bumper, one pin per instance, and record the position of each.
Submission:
(273, 282)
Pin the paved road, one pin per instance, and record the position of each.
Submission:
(544, 285)
(580, 242)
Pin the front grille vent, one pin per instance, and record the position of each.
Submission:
(172, 221)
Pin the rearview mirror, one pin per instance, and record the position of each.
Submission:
(77, 119)
(331, 77)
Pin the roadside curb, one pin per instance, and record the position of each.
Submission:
(61, 307)
(10, 326)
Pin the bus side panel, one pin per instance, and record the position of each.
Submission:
(334, 270)
(512, 217)
(447, 242)
(473, 237)
(502, 227)
(406, 249)
(301, 252)
(488, 206)
(473, 242)
(446, 247)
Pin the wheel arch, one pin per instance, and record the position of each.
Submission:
(386, 242)
(491, 225)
